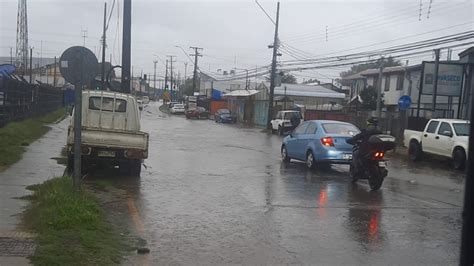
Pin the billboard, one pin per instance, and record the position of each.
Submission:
(449, 79)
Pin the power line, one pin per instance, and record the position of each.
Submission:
(264, 11)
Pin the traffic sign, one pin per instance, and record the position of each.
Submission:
(78, 65)
(404, 102)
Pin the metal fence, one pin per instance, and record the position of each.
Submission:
(19, 99)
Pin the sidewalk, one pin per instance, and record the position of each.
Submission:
(35, 167)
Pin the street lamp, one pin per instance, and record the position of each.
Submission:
(184, 51)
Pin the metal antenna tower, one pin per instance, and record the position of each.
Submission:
(22, 37)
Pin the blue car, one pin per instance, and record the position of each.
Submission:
(319, 142)
(224, 116)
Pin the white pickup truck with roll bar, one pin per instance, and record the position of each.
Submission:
(110, 132)
(443, 137)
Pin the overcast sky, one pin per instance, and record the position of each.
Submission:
(234, 33)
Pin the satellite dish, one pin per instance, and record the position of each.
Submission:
(78, 65)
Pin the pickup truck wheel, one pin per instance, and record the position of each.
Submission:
(135, 168)
(281, 131)
(414, 151)
(459, 159)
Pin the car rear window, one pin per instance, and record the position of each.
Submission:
(340, 129)
(107, 104)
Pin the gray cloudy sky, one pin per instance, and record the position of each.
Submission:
(234, 32)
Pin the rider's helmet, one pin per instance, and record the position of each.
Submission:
(373, 121)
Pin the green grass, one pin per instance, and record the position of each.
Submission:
(71, 227)
(14, 136)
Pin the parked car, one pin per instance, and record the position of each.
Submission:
(286, 121)
(225, 116)
(198, 112)
(110, 132)
(140, 104)
(319, 142)
(177, 108)
(171, 104)
(443, 137)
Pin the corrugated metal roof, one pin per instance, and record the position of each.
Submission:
(307, 90)
(241, 93)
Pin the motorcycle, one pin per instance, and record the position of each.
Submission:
(372, 165)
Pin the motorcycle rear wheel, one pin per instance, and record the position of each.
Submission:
(375, 178)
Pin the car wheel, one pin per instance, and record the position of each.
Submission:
(459, 159)
(281, 131)
(284, 155)
(310, 160)
(414, 151)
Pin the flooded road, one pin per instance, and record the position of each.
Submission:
(219, 194)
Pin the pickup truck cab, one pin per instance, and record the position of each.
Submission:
(283, 121)
(443, 137)
(110, 132)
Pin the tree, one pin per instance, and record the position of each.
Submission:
(311, 81)
(288, 78)
(387, 62)
(369, 98)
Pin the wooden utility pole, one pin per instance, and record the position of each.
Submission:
(55, 67)
(379, 90)
(273, 73)
(196, 54)
(154, 77)
(31, 64)
(126, 45)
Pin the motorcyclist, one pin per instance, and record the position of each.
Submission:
(363, 137)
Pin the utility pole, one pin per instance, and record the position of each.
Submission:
(166, 75)
(154, 77)
(171, 74)
(31, 64)
(126, 45)
(435, 82)
(379, 90)
(11, 55)
(196, 54)
(84, 36)
(102, 74)
(273, 73)
(54, 78)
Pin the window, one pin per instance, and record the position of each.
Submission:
(340, 129)
(107, 104)
(311, 128)
(400, 80)
(462, 129)
(443, 128)
(301, 128)
(279, 116)
(289, 115)
(387, 83)
(432, 127)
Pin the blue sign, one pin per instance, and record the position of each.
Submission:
(404, 102)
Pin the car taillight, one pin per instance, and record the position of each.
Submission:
(327, 142)
(378, 155)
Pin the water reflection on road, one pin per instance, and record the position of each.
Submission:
(219, 194)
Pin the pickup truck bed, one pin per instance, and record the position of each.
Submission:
(108, 138)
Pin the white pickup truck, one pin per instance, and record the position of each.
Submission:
(110, 132)
(444, 137)
(283, 121)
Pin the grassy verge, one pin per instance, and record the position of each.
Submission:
(71, 226)
(14, 136)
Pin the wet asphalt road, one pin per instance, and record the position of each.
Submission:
(219, 194)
